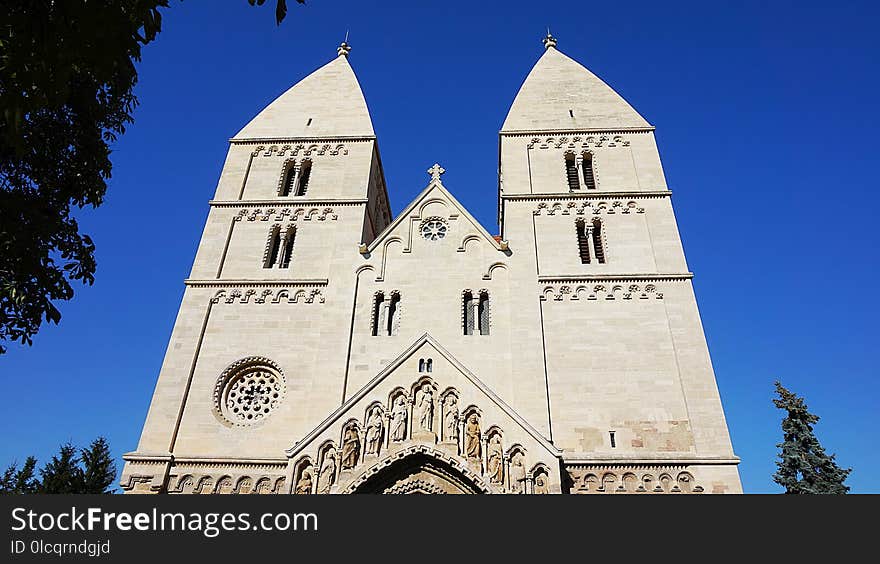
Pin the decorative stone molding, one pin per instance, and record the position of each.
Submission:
(593, 292)
(268, 295)
(587, 208)
(576, 142)
(636, 478)
(287, 213)
(300, 149)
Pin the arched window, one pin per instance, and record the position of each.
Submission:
(302, 183)
(468, 313)
(571, 172)
(378, 311)
(288, 179)
(589, 174)
(287, 247)
(273, 245)
(590, 244)
(393, 314)
(483, 311)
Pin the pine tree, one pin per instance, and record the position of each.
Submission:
(803, 465)
(99, 470)
(62, 474)
(15, 481)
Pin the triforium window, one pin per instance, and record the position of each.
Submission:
(295, 179)
(590, 245)
(386, 314)
(279, 247)
(475, 312)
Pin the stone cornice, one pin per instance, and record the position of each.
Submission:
(178, 460)
(563, 278)
(582, 460)
(631, 194)
(523, 132)
(285, 202)
(258, 140)
(215, 283)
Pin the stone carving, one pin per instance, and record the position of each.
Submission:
(588, 208)
(426, 409)
(517, 473)
(541, 483)
(268, 295)
(398, 419)
(375, 427)
(351, 448)
(495, 462)
(472, 436)
(635, 479)
(583, 292)
(327, 474)
(304, 484)
(450, 419)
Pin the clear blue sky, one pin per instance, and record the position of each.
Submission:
(766, 116)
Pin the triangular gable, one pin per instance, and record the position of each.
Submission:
(437, 185)
(391, 368)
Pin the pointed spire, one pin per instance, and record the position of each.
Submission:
(435, 172)
(549, 41)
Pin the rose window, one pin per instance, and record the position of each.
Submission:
(433, 229)
(249, 391)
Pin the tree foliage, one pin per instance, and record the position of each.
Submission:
(67, 73)
(803, 466)
(87, 471)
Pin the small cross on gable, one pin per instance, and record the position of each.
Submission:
(435, 171)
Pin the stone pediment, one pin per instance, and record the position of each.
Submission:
(424, 423)
(434, 202)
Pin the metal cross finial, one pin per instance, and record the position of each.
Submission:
(344, 48)
(435, 171)
(549, 41)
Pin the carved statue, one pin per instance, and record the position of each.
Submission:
(327, 473)
(351, 448)
(374, 432)
(541, 486)
(472, 447)
(495, 464)
(426, 409)
(517, 473)
(398, 419)
(450, 419)
(304, 484)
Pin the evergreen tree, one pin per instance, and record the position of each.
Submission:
(15, 481)
(99, 470)
(803, 465)
(62, 474)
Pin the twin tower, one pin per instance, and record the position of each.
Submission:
(324, 346)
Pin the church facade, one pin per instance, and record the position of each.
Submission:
(324, 346)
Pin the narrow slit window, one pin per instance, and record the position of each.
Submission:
(589, 175)
(598, 247)
(305, 173)
(393, 317)
(483, 310)
(378, 310)
(571, 173)
(613, 440)
(468, 305)
(583, 242)
(274, 244)
(287, 247)
(308, 123)
(288, 180)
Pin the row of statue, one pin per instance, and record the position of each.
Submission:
(372, 439)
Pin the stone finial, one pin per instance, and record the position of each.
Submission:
(549, 41)
(435, 171)
(344, 49)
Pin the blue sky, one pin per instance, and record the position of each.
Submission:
(766, 121)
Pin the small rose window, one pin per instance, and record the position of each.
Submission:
(433, 229)
(249, 391)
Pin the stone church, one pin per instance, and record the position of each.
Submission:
(325, 346)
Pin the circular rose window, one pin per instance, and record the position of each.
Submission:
(433, 228)
(249, 391)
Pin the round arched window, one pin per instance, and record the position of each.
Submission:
(248, 391)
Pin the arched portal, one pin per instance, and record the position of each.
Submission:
(421, 471)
